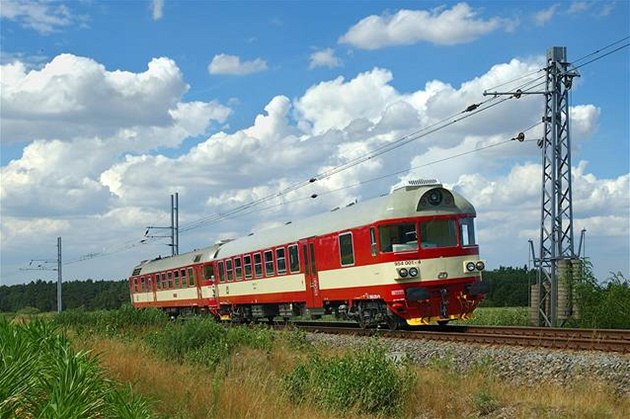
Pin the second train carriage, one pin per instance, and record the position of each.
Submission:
(407, 256)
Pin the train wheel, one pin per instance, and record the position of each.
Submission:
(363, 322)
(393, 322)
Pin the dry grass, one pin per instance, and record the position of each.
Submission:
(246, 386)
(249, 385)
(444, 394)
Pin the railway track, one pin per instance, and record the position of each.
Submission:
(539, 337)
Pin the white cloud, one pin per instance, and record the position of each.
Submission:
(440, 26)
(543, 17)
(107, 188)
(157, 7)
(578, 7)
(42, 16)
(324, 58)
(77, 97)
(232, 65)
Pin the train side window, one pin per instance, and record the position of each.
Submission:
(467, 231)
(208, 272)
(373, 241)
(247, 262)
(171, 285)
(281, 260)
(258, 265)
(228, 270)
(158, 283)
(238, 270)
(221, 273)
(269, 271)
(184, 278)
(294, 259)
(164, 282)
(346, 252)
(178, 284)
(191, 277)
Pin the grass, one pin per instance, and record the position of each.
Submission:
(499, 316)
(41, 376)
(200, 369)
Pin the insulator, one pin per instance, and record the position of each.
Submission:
(311, 180)
(472, 107)
(518, 94)
(520, 137)
(314, 196)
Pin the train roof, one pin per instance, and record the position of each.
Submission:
(402, 202)
(205, 254)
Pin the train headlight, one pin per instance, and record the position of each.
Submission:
(403, 272)
(435, 197)
(480, 266)
(413, 272)
(470, 266)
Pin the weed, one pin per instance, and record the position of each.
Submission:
(484, 402)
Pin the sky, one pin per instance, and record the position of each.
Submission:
(108, 108)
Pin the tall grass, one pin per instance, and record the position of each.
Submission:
(500, 316)
(365, 381)
(111, 322)
(41, 376)
(205, 342)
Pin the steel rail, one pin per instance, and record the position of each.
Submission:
(605, 340)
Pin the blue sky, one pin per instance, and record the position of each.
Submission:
(109, 107)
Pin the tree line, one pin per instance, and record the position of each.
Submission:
(509, 288)
(600, 303)
(42, 296)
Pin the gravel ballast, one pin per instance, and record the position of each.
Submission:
(520, 365)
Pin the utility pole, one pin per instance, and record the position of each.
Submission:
(556, 251)
(59, 282)
(43, 265)
(174, 227)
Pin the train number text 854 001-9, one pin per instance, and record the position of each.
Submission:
(407, 262)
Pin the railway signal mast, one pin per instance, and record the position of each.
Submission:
(557, 258)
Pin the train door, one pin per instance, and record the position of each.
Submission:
(209, 275)
(153, 279)
(313, 295)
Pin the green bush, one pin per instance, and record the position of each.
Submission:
(365, 381)
(206, 342)
(603, 305)
(40, 376)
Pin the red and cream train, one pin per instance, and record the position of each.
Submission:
(409, 256)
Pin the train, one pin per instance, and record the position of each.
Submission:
(409, 257)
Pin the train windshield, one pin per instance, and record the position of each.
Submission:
(467, 231)
(398, 237)
(438, 233)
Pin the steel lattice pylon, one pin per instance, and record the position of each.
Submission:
(556, 224)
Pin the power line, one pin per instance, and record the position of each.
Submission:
(430, 129)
